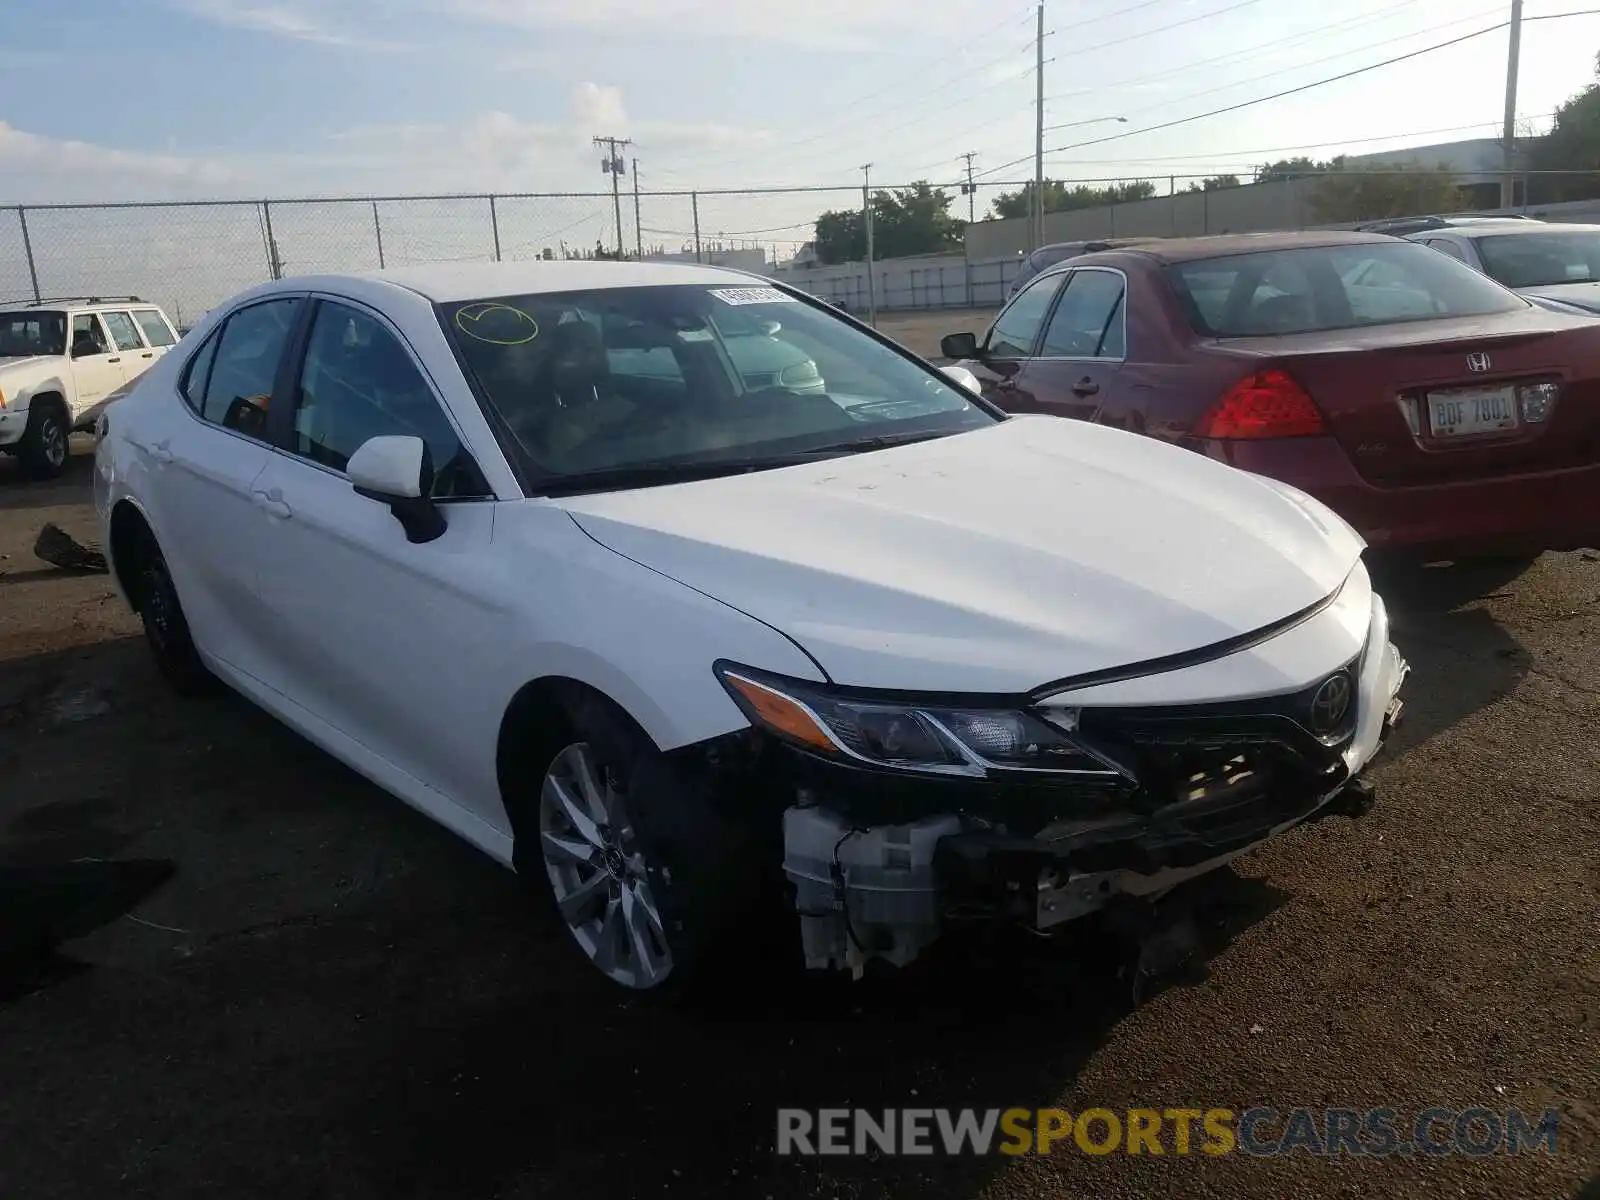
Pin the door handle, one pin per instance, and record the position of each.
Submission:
(1085, 387)
(161, 452)
(114, 360)
(272, 504)
(148, 354)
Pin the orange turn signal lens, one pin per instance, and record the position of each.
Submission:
(782, 714)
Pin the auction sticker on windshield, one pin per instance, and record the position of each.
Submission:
(1461, 412)
(752, 295)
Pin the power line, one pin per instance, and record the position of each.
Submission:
(1145, 33)
(1228, 155)
(921, 77)
(1327, 58)
(1249, 52)
(1304, 87)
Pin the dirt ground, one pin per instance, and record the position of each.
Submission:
(921, 331)
(334, 998)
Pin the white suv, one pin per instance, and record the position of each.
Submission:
(61, 361)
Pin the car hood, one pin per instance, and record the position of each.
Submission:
(24, 363)
(1585, 295)
(991, 561)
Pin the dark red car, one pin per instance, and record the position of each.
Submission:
(1435, 410)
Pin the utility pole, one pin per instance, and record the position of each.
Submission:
(970, 189)
(1509, 133)
(638, 234)
(872, 276)
(1037, 234)
(613, 166)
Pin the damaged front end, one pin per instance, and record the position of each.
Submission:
(913, 813)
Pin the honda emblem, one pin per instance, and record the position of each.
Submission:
(1478, 361)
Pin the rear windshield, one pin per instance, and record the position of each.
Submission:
(1522, 260)
(24, 334)
(1309, 289)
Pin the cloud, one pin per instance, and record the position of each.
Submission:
(819, 24)
(493, 150)
(278, 20)
(41, 169)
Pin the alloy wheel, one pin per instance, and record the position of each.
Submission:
(598, 872)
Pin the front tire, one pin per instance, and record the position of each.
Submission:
(600, 880)
(640, 871)
(44, 447)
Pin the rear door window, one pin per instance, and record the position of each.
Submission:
(244, 366)
(1088, 321)
(155, 328)
(1017, 330)
(123, 331)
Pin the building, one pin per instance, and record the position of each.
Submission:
(1477, 163)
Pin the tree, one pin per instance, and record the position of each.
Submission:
(912, 220)
(1058, 197)
(1573, 144)
(1215, 183)
(1343, 194)
(1293, 168)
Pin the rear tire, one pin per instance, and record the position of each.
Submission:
(44, 449)
(166, 629)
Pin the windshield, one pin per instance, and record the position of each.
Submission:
(24, 334)
(1521, 260)
(1314, 288)
(691, 377)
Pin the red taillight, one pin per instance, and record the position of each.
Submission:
(1266, 404)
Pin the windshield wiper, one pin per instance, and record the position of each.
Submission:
(881, 441)
(656, 474)
(659, 473)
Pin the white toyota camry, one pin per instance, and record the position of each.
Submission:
(525, 545)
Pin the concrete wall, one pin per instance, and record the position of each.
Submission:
(736, 260)
(1251, 208)
(995, 248)
(944, 281)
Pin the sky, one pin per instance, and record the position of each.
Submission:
(332, 98)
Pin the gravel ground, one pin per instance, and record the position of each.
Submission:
(334, 998)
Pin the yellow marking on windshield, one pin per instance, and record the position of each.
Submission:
(513, 327)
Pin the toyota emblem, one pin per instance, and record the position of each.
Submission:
(1478, 361)
(1330, 704)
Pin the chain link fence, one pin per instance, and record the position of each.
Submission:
(188, 257)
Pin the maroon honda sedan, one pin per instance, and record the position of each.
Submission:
(1439, 413)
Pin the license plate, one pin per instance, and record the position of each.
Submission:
(1465, 411)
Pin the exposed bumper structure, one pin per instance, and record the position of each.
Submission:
(1201, 784)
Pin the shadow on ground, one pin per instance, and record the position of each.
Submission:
(17, 491)
(1461, 658)
(351, 1002)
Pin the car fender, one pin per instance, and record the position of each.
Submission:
(21, 384)
(643, 639)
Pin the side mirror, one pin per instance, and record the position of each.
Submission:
(398, 471)
(962, 377)
(959, 345)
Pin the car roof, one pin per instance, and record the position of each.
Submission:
(447, 283)
(1529, 228)
(1222, 245)
(63, 303)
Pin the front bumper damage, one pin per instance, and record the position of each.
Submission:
(876, 879)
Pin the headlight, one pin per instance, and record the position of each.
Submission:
(908, 734)
(799, 373)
